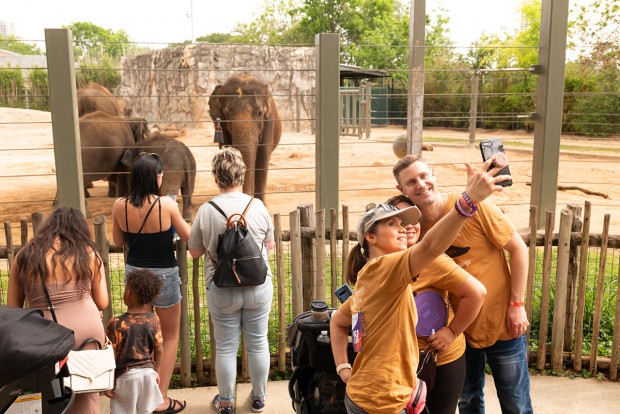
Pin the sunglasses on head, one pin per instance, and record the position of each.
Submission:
(387, 207)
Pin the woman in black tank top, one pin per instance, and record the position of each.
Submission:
(143, 222)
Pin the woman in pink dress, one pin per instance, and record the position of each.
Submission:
(62, 255)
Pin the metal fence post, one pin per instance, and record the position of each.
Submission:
(65, 120)
(327, 128)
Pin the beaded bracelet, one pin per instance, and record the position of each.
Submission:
(462, 213)
(470, 203)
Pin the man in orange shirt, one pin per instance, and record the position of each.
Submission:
(497, 335)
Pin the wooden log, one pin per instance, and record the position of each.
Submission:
(581, 294)
(184, 335)
(306, 219)
(23, 224)
(333, 259)
(320, 259)
(531, 270)
(559, 301)
(37, 220)
(615, 341)
(598, 304)
(545, 292)
(103, 247)
(10, 249)
(345, 241)
(197, 294)
(281, 294)
(571, 288)
(296, 276)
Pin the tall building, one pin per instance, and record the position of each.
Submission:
(6, 28)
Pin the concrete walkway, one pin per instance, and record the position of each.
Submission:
(554, 395)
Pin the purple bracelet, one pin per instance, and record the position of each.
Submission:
(471, 204)
(460, 211)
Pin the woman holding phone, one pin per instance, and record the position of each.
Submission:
(443, 341)
(143, 221)
(382, 311)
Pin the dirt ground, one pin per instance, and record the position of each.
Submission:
(27, 171)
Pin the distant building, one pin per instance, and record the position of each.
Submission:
(6, 28)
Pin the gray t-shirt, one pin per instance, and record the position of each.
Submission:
(209, 224)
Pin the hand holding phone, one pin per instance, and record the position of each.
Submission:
(490, 147)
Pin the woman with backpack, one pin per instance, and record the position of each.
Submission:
(144, 222)
(381, 312)
(237, 309)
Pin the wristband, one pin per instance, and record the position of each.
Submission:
(516, 304)
(471, 204)
(450, 329)
(462, 213)
(344, 365)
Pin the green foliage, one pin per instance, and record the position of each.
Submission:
(14, 44)
(12, 89)
(39, 93)
(93, 43)
(225, 38)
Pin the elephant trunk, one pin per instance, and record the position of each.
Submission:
(245, 137)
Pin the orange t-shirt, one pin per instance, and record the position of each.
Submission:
(479, 249)
(442, 276)
(384, 372)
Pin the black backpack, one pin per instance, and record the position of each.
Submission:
(239, 259)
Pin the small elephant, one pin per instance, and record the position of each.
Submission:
(250, 122)
(104, 138)
(179, 168)
(95, 97)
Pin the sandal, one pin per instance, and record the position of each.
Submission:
(171, 407)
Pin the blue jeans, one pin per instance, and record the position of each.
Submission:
(234, 311)
(508, 362)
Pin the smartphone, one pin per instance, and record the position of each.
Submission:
(490, 147)
(343, 292)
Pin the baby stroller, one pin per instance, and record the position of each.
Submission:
(314, 387)
(33, 352)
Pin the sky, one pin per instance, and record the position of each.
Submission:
(169, 21)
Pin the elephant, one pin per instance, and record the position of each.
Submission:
(104, 139)
(179, 168)
(250, 122)
(94, 97)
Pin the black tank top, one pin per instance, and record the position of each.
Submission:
(154, 250)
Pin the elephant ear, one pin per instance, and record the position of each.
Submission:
(215, 107)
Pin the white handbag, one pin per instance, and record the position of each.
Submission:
(91, 370)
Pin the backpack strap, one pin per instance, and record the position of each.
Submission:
(247, 208)
(215, 206)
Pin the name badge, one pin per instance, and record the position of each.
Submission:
(357, 331)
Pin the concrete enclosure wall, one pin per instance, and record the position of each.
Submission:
(171, 87)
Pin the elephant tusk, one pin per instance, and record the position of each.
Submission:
(240, 92)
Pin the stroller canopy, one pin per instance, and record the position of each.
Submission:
(29, 342)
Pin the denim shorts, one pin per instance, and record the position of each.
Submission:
(170, 292)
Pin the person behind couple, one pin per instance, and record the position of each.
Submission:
(138, 348)
(143, 221)
(497, 335)
(237, 309)
(62, 256)
(443, 276)
(383, 377)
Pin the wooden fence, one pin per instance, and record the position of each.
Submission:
(317, 250)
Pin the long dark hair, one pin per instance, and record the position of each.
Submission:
(357, 259)
(67, 228)
(143, 179)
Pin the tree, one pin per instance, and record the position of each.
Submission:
(14, 44)
(94, 43)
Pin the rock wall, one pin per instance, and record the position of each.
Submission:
(171, 87)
